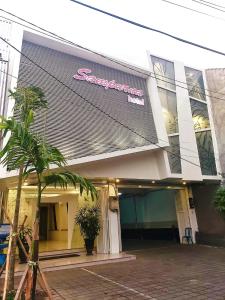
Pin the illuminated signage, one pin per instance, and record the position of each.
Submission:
(112, 84)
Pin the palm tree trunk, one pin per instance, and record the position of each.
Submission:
(10, 263)
(35, 242)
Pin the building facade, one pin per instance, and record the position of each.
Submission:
(145, 137)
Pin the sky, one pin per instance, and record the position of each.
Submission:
(127, 42)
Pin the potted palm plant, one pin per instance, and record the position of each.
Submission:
(88, 220)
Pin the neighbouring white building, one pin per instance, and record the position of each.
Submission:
(146, 135)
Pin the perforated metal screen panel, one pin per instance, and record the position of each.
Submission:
(73, 125)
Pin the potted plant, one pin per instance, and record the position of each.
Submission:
(25, 231)
(88, 220)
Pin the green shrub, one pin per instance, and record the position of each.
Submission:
(219, 201)
(88, 220)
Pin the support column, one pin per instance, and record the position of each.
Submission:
(186, 216)
(109, 239)
(192, 213)
(103, 237)
(114, 226)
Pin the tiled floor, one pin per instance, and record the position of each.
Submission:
(163, 273)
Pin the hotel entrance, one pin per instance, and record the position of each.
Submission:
(152, 217)
(57, 230)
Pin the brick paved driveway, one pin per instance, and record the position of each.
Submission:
(172, 272)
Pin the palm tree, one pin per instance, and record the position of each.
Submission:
(34, 156)
(42, 157)
(28, 100)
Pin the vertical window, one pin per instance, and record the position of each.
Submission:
(195, 83)
(169, 107)
(164, 73)
(174, 154)
(200, 115)
(206, 152)
(201, 122)
(165, 77)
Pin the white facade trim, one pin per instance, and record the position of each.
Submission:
(93, 158)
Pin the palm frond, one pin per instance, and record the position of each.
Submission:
(27, 101)
(15, 152)
(63, 179)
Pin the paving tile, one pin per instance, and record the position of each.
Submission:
(173, 272)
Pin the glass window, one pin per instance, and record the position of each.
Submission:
(200, 115)
(195, 83)
(174, 154)
(169, 107)
(206, 153)
(164, 72)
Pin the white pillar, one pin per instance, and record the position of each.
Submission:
(186, 216)
(114, 228)
(192, 214)
(103, 237)
(109, 239)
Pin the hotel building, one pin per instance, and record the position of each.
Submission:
(145, 137)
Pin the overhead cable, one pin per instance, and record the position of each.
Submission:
(194, 10)
(215, 4)
(209, 5)
(51, 34)
(149, 28)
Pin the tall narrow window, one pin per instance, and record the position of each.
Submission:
(174, 154)
(201, 122)
(169, 107)
(200, 115)
(195, 83)
(206, 152)
(164, 73)
(165, 77)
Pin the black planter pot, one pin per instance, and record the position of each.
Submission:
(89, 244)
(22, 256)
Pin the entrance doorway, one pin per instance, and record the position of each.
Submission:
(43, 228)
(148, 218)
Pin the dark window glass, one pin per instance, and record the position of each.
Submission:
(206, 153)
(164, 72)
(200, 115)
(195, 83)
(174, 154)
(169, 107)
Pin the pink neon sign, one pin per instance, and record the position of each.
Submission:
(112, 84)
